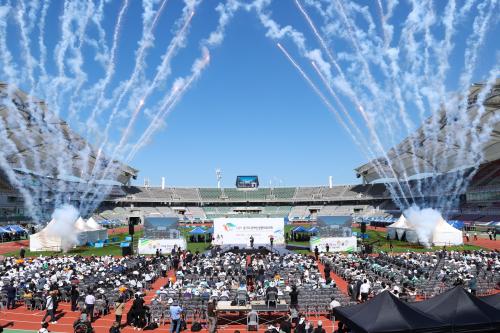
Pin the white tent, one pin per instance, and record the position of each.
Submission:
(43, 241)
(400, 223)
(85, 233)
(445, 234)
(402, 229)
(103, 232)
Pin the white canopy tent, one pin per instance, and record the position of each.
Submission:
(44, 241)
(445, 234)
(85, 233)
(402, 229)
(93, 225)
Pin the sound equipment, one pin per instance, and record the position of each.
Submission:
(134, 220)
(127, 251)
(363, 227)
(131, 229)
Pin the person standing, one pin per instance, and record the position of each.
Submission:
(272, 241)
(467, 237)
(49, 306)
(119, 307)
(11, 296)
(294, 297)
(22, 253)
(327, 248)
(475, 236)
(74, 295)
(251, 241)
(327, 271)
(316, 252)
(212, 316)
(89, 305)
(490, 234)
(175, 315)
(364, 290)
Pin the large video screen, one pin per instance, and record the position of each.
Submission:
(334, 226)
(247, 182)
(161, 228)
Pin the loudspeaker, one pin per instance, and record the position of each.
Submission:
(131, 229)
(363, 227)
(127, 251)
(134, 220)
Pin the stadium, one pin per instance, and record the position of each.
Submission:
(411, 246)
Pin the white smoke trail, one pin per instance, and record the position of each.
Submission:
(226, 12)
(102, 85)
(146, 42)
(275, 32)
(162, 73)
(180, 86)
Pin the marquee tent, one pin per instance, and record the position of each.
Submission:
(493, 300)
(462, 311)
(93, 225)
(445, 234)
(402, 229)
(386, 313)
(455, 310)
(85, 233)
(44, 241)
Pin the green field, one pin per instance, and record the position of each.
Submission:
(377, 237)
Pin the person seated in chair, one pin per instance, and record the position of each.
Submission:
(271, 294)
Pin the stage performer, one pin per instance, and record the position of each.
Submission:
(251, 241)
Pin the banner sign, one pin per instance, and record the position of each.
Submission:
(336, 244)
(149, 246)
(237, 231)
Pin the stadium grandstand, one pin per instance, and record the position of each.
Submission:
(30, 164)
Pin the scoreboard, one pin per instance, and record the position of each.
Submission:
(247, 182)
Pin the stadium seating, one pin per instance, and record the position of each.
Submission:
(209, 194)
(283, 192)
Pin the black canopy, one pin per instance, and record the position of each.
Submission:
(462, 311)
(493, 300)
(387, 313)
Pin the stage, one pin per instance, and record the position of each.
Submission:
(261, 249)
(226, 312)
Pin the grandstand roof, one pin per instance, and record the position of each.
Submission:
(413, 155)
(51, 136)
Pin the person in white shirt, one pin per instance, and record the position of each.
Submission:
(364, 290)
(49, 305)
(89, 305)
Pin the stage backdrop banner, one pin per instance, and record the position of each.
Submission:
(336, 244)
(237, 231)
(149, 246)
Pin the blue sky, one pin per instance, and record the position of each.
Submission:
(250, 112)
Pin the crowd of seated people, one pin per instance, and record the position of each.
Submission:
(238, 279)
(412, 274)
(91, 284)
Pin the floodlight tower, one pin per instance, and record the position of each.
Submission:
(218, 175)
